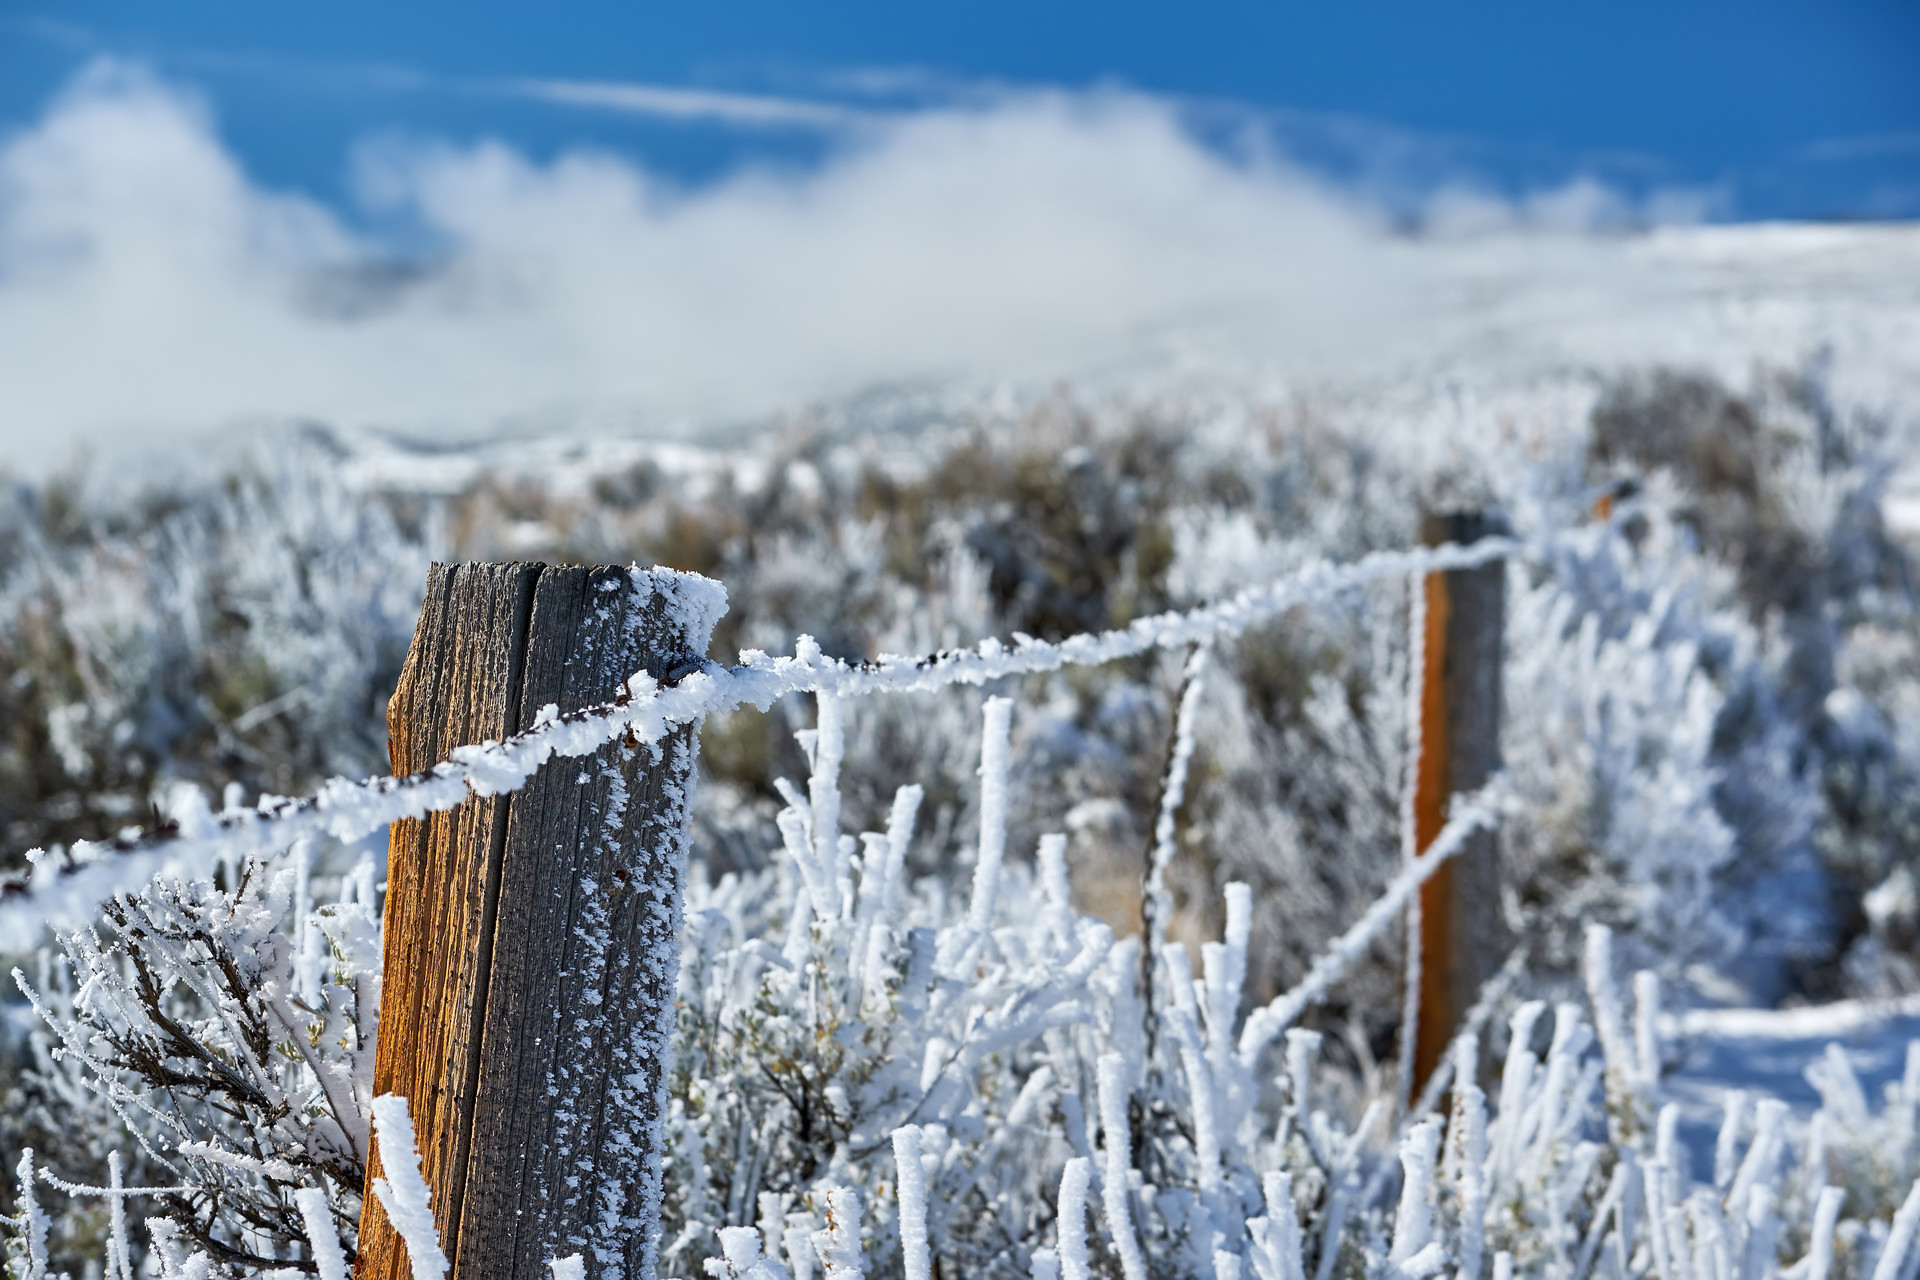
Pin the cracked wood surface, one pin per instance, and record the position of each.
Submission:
(532, 940)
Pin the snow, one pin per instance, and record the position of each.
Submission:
(1116, 1138)
(993, 813)
(403, 1192)
(1075, 1181)
(34, 1220)
(321, 1235)
(916, 1261)
(1838, 1020)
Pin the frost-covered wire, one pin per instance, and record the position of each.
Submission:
(1412, 980)
(1173, 794)
(649, 707)
(1470, 814)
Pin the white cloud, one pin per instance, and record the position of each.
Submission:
(149, 288)
(755, 110)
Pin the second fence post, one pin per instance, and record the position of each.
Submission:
(532, 940)
(1462, 934)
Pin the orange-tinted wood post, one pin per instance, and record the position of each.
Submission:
(1462, 934)
(532, 940)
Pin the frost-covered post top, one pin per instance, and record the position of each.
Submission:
(532, 932)
(693, 605)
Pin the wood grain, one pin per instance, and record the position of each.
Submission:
(532, 940)
(1462, 935)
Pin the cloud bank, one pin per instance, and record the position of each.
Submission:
(150, 289)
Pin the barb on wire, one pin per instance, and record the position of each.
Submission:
(67, 889)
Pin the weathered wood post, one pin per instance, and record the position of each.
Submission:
(532, 940)
(1462, 935)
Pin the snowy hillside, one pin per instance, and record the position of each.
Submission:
(473, 291)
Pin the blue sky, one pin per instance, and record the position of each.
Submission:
(1769, 108)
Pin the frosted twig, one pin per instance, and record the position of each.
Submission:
(34, 1220)
(839, 1245)
(1732, 1116)
(322, 1237)
(1117, 1135)
(917, 1259)
(1275, 1237)
(1075, 1180)
(403, 1192)
(1156, 904)
(1413, 1220)
(823, 808)
(119, 1254)
(1893, 1255)
(1467, 1139)
(993, 813)
(1826, 1212)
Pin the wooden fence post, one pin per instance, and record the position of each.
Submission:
(1462, 933)
(532, 940)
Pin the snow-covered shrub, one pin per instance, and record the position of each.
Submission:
(225, 1038)
(240, 632)
(245, 629)
(1659, 788)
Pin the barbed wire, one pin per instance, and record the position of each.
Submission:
(1471, 812)
(66, 887)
